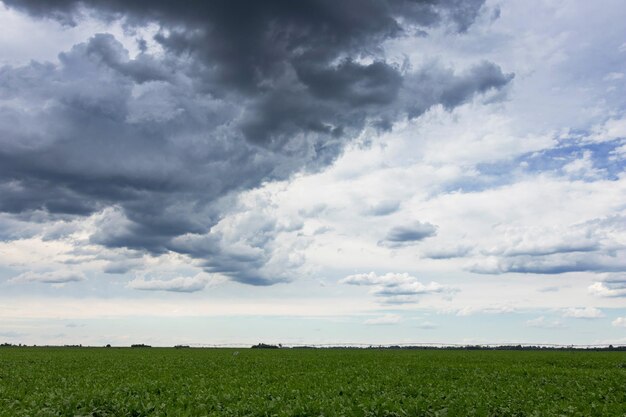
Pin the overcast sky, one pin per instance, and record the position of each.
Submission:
(355, 171)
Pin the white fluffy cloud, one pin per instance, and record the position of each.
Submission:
(396, 288)
(178, 284)
(486, 309)
(583, 313)
(611, 286)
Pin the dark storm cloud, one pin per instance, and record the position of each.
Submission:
(436, 84)
(245, 92)
(245, 251)
(409, 234)
(382, 208)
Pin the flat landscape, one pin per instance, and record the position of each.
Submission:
(42, 381)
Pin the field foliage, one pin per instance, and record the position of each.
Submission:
(307, 382)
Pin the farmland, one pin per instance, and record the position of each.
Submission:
(309, 382)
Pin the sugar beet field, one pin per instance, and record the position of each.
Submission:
(309, 382)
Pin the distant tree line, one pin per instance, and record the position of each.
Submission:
(620, 348)
(513, 347)
(266, 346)
(481, 347)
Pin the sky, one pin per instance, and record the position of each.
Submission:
(312, 172)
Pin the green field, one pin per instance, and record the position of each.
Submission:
(309, 382)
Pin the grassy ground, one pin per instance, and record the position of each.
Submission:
(302, 382)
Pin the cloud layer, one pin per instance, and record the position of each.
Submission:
(239, 93)
(395, 288)
(179, 284)
(611, 286)
(583, 313)
(49, 277)
(154, 156)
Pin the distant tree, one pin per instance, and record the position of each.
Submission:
(264, 346)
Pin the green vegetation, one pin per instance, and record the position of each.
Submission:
(307, 382)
